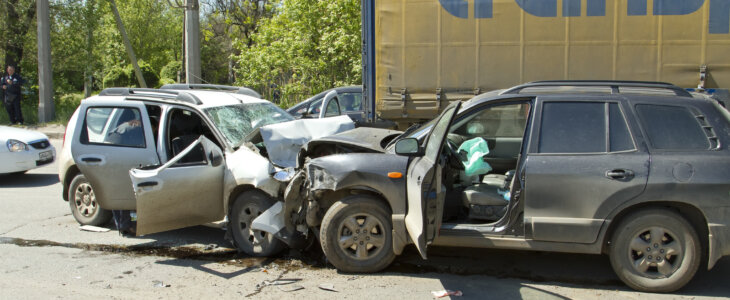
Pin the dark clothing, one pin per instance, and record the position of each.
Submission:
(123, 221)
(11, 84)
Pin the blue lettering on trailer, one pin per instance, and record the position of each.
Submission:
(719, 9)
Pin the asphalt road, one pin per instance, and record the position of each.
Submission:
(44, 254)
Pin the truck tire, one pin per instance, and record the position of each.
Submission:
(655, 250)
(356, 234)
(247, 207)
(83, 204)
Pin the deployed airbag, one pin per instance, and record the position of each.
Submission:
(472, 153)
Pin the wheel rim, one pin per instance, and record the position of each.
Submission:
(361, 236)
(656, 252)
(257, 240)
(85, 200)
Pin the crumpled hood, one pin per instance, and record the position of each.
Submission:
(23, 135)
(363, 137)
(284, 140)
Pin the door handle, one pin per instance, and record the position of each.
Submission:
(91, 159)
(147, 183)
(620, 174)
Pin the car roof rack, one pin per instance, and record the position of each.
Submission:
(145, 92)
(217, 87)
(615, 85)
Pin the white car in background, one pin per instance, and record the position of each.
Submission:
(23, 150)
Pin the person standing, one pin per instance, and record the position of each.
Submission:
(11, 83)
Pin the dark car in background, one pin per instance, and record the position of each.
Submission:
(350, 98)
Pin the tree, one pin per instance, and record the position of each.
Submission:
(19, 18)
(307, 46)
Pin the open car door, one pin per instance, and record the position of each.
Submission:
(185, 191)
(424, 188)
(330, 105)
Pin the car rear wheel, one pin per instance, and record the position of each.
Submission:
(84, 207)
(356, 234)
(655, 250)
(247, 207)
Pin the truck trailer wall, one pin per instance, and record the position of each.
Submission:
(431, 52)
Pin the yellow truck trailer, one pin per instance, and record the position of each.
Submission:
(418, 55)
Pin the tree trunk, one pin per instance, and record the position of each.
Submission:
(17, 28)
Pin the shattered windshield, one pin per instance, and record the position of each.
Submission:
(237, 121)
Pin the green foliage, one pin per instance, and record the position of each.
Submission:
(116, 77)
(308, 46)
(171, 70)
(150, 75)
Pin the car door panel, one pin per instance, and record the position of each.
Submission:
(105, 164)
(423, 185)
(569, 195)
(177, 195)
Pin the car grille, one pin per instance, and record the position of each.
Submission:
(41, 144)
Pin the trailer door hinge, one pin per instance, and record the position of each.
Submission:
(703, 78)
(403, 98)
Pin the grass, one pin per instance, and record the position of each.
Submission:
(65, 105)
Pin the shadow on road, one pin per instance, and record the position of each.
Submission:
(460, 269)
(28, 180)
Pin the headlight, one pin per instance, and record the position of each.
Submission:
(16, 146)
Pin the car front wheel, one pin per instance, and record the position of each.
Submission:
(247, 207)
(655, 250)
(84, 207)
(356, 234)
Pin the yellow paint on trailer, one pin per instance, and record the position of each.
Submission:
(421, 49)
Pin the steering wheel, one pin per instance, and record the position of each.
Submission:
(453, 153)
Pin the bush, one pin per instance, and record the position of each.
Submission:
(171, 70)
(150, 75)
(116, 77)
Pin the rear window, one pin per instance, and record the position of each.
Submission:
(113, 126)
(672, 127)
(584, 127)
(573, 127)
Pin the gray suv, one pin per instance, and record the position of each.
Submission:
(638, 172)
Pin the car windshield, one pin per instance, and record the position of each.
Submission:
(237, 121)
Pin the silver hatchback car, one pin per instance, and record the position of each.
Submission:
(183, 157)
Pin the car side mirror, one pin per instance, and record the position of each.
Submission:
(215, 158)
(408, 147)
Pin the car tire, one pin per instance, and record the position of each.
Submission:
(655, 250)
(247, 207)
(84, 207)
(356, 234)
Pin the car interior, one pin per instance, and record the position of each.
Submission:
(478, 184)
(184, 128)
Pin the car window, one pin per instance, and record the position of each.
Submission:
(350, 102)
(435, 139)
(573, 127)
(333, 109)
(502, 121)
(121, 127)
(618, 131)
(315, 107)
(672, 127)
(237, 121)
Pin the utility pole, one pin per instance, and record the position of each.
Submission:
(128, 45)
(46, 107)
(192, 42)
